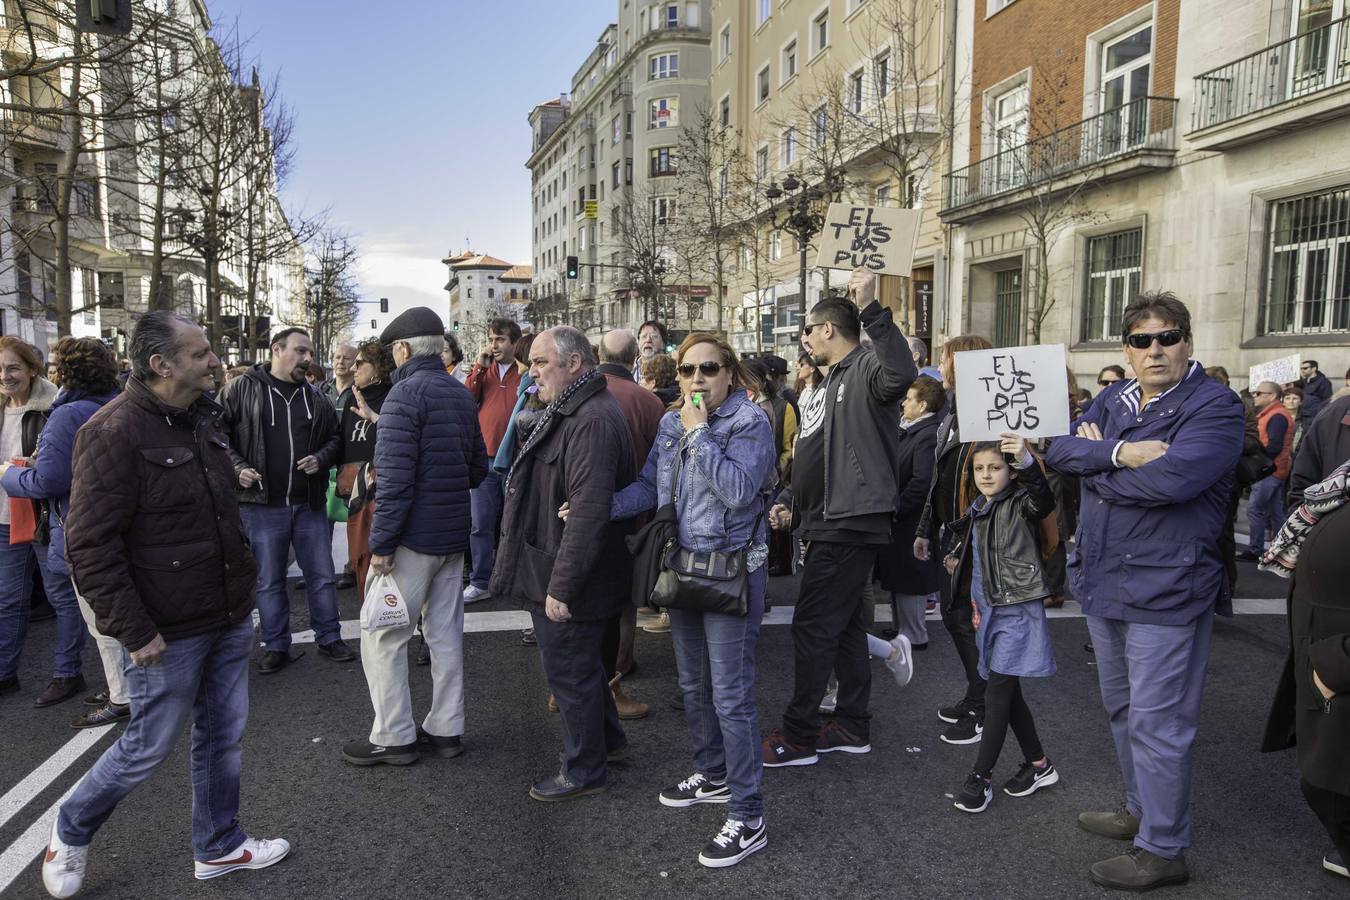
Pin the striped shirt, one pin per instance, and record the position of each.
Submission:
(1130, 395)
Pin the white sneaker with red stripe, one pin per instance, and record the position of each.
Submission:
(251, 854)
(63, 866)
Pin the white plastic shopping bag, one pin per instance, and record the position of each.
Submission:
(384, 606)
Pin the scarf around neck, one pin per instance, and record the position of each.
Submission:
(541, 423)
(1318, 500)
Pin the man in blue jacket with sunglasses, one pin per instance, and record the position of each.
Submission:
(1156, 455)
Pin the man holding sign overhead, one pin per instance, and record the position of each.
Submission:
(1156, 455)
(841, 502)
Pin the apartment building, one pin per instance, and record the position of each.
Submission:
(483, 287)
(1194, 147)
(852, 91)
(137, 223)
(603, 164)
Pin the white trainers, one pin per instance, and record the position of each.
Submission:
(901, 660)
(63, 866)
(251, 854)
(474, 594)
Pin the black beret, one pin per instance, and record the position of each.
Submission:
(416, 322)
(777, 365)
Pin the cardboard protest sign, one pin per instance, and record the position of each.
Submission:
(1281, 371)
(880, 239)
(1019, 389)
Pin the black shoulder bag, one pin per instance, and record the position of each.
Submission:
(667, 575)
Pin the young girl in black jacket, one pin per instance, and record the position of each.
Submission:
(999, 558)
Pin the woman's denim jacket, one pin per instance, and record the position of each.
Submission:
(728, 468)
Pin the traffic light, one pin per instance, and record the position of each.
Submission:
(457, 325)
(384, 304)
(572, 267)
(103, 16)
(374, 325)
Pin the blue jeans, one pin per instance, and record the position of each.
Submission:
(204, 678)
(715, 656)
(1265, 512)
(485, 505)
(1152, 678)
(272, 530)
(16, 579)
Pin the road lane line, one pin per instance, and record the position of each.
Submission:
(32, 842)
(515, 620)
(19, 796)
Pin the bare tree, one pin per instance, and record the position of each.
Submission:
(644, 232)
(331, 295)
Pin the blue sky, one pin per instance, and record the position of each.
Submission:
(411, 119)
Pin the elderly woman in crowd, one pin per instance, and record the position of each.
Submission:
(27, 400)
(658, 376)
(87, 373)
(715, 456)
(356, 470)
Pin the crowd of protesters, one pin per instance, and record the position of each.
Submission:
(639, 482)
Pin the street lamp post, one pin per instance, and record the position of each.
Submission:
(798, 204)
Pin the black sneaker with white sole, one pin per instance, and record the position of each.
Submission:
(1333, 862)
(1029, 779)
(695, 789)
(733, 843)
(954, 713)
(976, 794)
(966, 731)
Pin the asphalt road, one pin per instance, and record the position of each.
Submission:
(880, 825)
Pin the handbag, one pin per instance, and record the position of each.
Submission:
(1254, 466)
(337, 507)
(24, 516)
(669, 576)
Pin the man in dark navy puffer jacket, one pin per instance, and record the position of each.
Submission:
(428, 454)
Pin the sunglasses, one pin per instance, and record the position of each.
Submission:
(1143, 340)
(709, 369)
(1103, 382)
(807, 326)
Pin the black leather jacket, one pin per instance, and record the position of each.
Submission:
(1010, 541)
(242, 422)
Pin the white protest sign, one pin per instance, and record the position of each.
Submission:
(880, 239)
(1024, 390)
(1281, 371)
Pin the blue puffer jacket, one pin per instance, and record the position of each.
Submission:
(725, 476)
(1148, 537)
(49, 476)
(428, 453)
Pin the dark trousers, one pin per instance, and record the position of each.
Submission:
(575, 670)
(1004, 706)
(956, 615)
(829, 634)
(1333, 810)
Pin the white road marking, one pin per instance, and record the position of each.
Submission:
(30, 843)
(19, 796)
(515, 620)
(34, 840)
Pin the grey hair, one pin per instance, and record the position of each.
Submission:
(916, 345)
(424, 345)
(156, 334)
(620, 347)
(569, 340)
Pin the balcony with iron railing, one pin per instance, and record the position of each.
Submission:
(33, 127)
(1298, 81)
(1139, 136)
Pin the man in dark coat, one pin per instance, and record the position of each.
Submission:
(1316, 388)
(913, 582)
(573, 575)
(1325, 445)
(157, 548)
(429, 454)
(1156, 455)
(643, 412)
(283, 435)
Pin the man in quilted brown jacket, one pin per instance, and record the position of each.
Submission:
(156, 547)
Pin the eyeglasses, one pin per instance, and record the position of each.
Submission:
(1104, 382)
(709, 369)
(1143, 340)
(807, 326)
